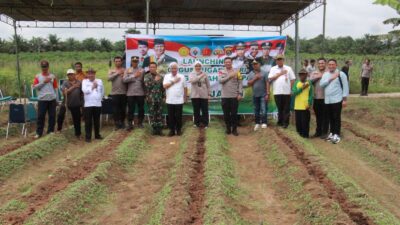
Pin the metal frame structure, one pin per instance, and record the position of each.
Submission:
(147, 25)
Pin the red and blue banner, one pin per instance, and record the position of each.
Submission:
(210, 51)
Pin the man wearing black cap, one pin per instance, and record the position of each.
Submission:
(258, 80)
(118, 93)
(160, 57)
(46, 85)
(134, 78)
(143, 47)
(266, 60)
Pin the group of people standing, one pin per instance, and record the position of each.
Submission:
(83, 94)
(324, 89)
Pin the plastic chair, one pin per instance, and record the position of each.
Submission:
(16, 115)
(31, 115)
(106, 108)
(4, 100)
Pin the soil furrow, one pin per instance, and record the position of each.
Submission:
(315, 171)
(62, 178)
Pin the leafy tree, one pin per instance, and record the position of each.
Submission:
(132, 31)
(106, 45)
(90, 44)
(395, 4)
(53, 42)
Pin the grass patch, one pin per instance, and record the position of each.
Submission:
(128, 151)
(17, 159)
(354, 193)
(309, 208)
(82, 195)
(161, 198)
(220, 181)
(63, 207)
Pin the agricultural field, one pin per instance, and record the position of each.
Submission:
(272, 176)
(385, 78)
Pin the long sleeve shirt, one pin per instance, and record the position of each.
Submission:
(135, 84)
(200, 86)
(118, 87)
(232, 87)
(92, 96)
(333, 91)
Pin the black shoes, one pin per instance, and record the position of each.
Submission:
(171, 133)
(98, 137)
(179, 132)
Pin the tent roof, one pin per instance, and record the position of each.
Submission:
(230, 12)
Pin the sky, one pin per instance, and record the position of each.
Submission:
(353, 18)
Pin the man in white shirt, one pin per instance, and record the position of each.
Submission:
(282, 78)
(93, 91)
(176, 95)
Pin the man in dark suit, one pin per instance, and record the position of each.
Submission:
(160, 57)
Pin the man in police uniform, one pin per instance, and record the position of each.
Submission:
(266, 60)
(159, 57)
(155, 95)
(239, 60)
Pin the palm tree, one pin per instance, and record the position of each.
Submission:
(395, 4)
(54, 42)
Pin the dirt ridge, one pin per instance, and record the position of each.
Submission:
(62, 178)
(314, 170)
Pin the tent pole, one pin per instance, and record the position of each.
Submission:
(297, 44)
(147, 15)
(17, 55)
(323, 31)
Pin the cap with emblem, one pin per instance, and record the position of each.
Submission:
(240, 46)
(44, 64)
(254, 43)
(266, 45)
(134, 58)
(280, 56)
(255, 62)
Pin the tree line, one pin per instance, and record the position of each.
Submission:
(388, 44)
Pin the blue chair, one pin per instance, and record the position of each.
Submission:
(31, 115)
(16, 115)
(106, 108)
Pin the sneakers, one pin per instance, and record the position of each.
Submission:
(256, 127)
(335, 139)
(329, 138)
(264, 125)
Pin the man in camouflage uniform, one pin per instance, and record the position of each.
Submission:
(154, 96)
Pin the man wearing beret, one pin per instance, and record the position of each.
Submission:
(160, 57)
